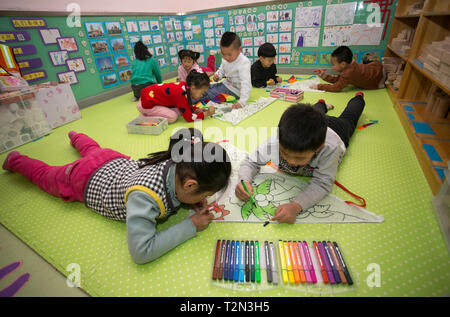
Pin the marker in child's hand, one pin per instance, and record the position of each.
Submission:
(248, 192)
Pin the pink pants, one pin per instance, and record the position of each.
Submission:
(68, 181)
(171, 114)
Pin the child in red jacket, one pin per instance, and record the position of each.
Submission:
(170, 100)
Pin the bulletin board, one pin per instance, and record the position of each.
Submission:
(96, 55)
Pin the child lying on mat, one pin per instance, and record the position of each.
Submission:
(142, 192)
(308, 143)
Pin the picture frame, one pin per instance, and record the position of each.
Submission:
(134, 39)
(159, 50)
(49, 35)
(76, 64)
(58, 58)
(132, 26)
(154, 26)
(121, 60)
(125, 75)
(99, 47)
(157, 38)
(109, 80)
(94, 29)
(104, 64)
(147, 39)
(144, 26)
(117, 44)
(67, 43)
(113, 28)
(67, 77)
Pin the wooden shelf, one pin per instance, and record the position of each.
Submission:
(430, 76)
(405, 58)
(408, 16)
(435, 13)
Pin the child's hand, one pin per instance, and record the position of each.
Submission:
(287, 212)
(279, 79)
(216, 77)
(237, 105)
(201, 220)
(200, 206)
(320, 73)
(240, 191)
(210, 112)
(271, 82)
(314, 86)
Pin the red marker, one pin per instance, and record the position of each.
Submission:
(318, 70)
(216, 261)
(222, 259)
(322, 267)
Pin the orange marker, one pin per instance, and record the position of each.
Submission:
(300, 266)
(294, 262)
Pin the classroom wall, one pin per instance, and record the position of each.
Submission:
(304, 33)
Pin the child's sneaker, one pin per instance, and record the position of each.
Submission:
(359, 93)
(329, 107)
(8, 157)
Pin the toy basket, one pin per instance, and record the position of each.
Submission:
(147, 125)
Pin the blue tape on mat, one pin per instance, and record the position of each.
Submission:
(440, 172)
(410, 116)
(422, 127)
(432, 153)
(408, 108)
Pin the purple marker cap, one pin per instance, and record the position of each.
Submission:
(327, 264)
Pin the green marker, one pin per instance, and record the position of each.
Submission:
(248, 192)
(258, 271)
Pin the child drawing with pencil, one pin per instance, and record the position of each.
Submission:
(142, 192)
(308, 143)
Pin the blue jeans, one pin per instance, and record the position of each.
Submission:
(214, 90)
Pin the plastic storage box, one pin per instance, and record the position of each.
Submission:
(21, 119)
(286, 94)
(147, 125)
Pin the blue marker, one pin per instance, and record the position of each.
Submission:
(232, 259)
(333, 265)
(227, 261)
(236, 263)
(241, 263)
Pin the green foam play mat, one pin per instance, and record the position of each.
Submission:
(406, 252)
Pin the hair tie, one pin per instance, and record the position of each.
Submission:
(188, 87)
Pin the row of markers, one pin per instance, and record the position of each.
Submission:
(239, 261)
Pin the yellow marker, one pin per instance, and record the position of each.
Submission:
(284, 272)
(288, 262)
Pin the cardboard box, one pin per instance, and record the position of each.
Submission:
(286, 94)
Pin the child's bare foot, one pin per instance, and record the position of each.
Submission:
(8, 157)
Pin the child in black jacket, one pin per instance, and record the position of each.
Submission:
(264, 70)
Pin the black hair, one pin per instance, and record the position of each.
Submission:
(141, 51)
(267, 50)
(197, 79)
(230, 38)
(188, 53)
(343, 54)
(302, 128)
(207, 163)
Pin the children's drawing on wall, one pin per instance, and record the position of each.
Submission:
(272, 189)
(368, 57)
(340, 14)
(306, 37)
(308, 16)
(309, 58)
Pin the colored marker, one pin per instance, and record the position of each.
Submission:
(252, 261)
(247, 262)
(344, 266)
(258, 270)
(284, 273)
(227, 261)
(288, 262)
(222, 259)
(241, 262)
(268, 262)
(333, 266)
(362, 127)
(248, 192)
(273, 264)
(299, 263)
(336, 263)
(216, 261)
(236, 263)
(311, 266)
(231, 263)
(326, 263)
(294, 262)
(305, 263)
(322, 266)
